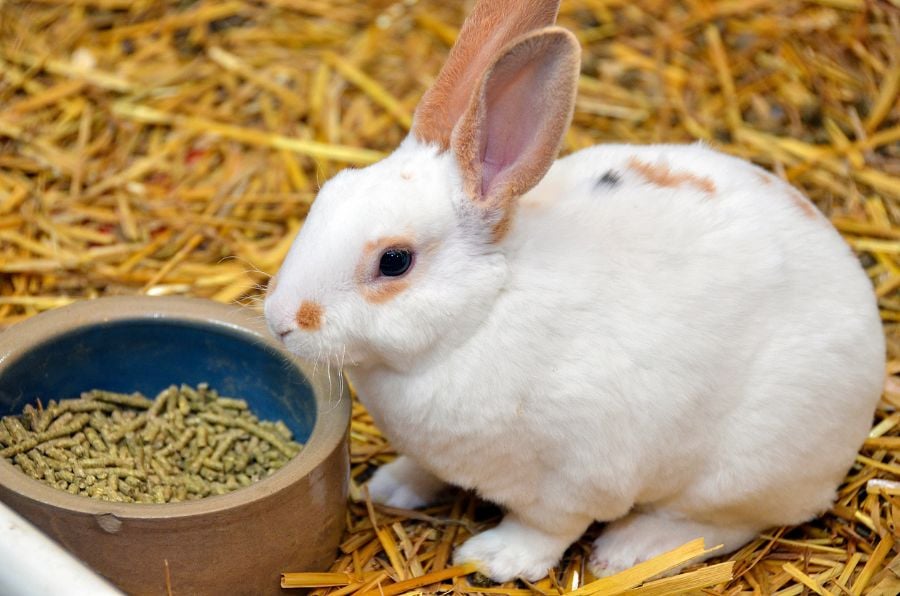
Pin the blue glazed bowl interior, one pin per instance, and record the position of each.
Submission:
(149, 355)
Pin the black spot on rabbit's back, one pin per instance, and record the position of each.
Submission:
(609, 179)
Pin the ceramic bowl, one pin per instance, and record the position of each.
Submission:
(237, 543)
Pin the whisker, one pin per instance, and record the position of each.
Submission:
(253, 268)
(341, 372)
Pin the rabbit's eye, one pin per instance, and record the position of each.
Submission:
(395, 262)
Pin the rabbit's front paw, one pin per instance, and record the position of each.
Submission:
(403, 484)
(512, 550)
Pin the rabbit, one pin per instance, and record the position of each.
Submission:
(663, 338)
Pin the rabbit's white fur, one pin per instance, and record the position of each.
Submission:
(687, 363)
(663, 337)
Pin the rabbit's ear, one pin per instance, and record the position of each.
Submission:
(491, 26)
(513, 127)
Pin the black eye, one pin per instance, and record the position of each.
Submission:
(395, 262)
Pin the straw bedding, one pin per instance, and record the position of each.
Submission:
(174, 148)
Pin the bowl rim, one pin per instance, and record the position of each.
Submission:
(330, 391)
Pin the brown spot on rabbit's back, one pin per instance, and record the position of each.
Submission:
(309, 315)
(804, 204)
(662, 175)
(796, 197)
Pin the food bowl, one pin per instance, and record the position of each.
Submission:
(236, 543)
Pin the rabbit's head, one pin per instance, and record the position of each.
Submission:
(406, 254)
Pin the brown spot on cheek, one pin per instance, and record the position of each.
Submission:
(383, 291)
(662, 176)
(309, 316)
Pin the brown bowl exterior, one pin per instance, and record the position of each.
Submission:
(237, 543)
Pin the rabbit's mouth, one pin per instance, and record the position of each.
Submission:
(306, 347)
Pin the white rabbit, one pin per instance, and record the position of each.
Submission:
(664, 337)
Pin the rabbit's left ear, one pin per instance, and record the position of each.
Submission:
(513, 127)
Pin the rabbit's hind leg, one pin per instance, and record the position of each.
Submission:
(642, 535)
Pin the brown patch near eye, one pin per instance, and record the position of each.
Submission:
(381, 291)
(373, 288)
(383, 244)
(309, 315)
(661, 175)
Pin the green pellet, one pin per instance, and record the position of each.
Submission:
(185, 444)
(127, 427)
(43, 419)
(94, 439)
(184, 408)
(224, 443)
(202, 435)
(54, 452)
(78, 405)
(253, 429)
(27, 466)
(72, 426)
(283, 431)
(199, 458)
(158, 494)
(151, 431)
(61, 445)
(133, 400)
(160, 402)
(32, 416)
(172, 402)
(213, 464)
(15, 428)
(107, 472)
(99, 462)
(61, 421)
(231, 403)
(189, 393)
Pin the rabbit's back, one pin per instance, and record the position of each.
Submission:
(678, 329)
(692, 316)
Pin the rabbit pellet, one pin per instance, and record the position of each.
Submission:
(187, 443)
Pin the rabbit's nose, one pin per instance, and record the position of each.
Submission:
(309, 315)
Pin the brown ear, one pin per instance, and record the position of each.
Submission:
(513, 127)
(491, 26)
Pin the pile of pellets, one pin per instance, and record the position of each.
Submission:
(187, 443)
